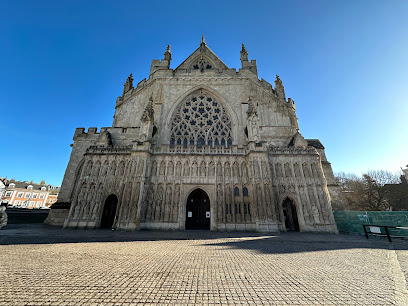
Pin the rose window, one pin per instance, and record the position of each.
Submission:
(201, 120)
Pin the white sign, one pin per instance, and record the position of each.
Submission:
(189, 214)
(375, 229)
(207, 214)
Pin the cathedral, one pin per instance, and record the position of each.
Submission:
(202, 146)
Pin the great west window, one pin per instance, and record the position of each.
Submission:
(201, 120)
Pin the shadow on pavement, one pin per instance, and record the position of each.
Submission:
(268, 243)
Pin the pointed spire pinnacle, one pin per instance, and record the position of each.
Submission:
(279, 88)
(203, 40)
(244, 54)
(128, 84)
(167, 54)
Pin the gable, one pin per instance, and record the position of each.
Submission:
(202, 58)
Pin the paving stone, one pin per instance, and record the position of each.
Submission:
(210, 268)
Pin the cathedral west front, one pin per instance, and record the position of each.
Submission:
(201, 146)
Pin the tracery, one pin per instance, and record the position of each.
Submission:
(201, 120)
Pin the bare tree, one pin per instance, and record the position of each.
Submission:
(368, 192)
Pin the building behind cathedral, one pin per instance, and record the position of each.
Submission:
(201, 146)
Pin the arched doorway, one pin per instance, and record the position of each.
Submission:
(109, 211)
(198, 210)
(290, 215)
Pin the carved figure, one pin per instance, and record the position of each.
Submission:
(211, 170)
(3, 215)
(141, 168)
(186, 169)
(170, 168)
(288, 170)
(315, 212)
(168, 205)
(178, 169)
(194, 169)
(235, 170)
(203, 169)
(162, 168)
(159, 202)
(278, 169)
(297, 170)
(256, 168)
(176, 203)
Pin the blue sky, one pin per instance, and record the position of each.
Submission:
(63, 64)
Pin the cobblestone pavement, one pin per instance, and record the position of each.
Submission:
(42, 265)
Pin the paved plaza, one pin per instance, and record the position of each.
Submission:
(43, 265)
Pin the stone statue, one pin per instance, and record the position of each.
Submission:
(159, 202)
(169, 193)
(315, 212)
(3, 215)
(178, 169)
(170, 168)
(288, 171)
(135, 201)
(235, 170)
(254, 128)
(297, 170)
(162, 168)
(211, 169)
(256, 168)
(186, 169)
(203, 169)
(141, 168)
(219, 171)
(154, 168)
(194, 169)
(150, 202)
(265, 169)
(227, 169)
(176, 203)
(220, 202)
(278, 169)
(244, 173)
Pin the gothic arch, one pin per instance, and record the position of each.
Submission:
(291, 214)
(228, 109)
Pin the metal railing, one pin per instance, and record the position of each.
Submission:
(375, 230)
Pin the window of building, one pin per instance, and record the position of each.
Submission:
(32, 203)
(20, 194)
(42, 196)
(43, 188)
(8, 193)
(124, 130)
(16, 203)
(35, 195)
(39, 204)
(201, 120)
(25, 203)
(12, 185)
(30, 187)
(28, 195)
(236, 191)
(51, 201)
(245, 191)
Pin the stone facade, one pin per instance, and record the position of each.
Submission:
(200, 126)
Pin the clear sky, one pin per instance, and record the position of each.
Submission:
(64, 63)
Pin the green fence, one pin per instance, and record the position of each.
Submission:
(352, 221)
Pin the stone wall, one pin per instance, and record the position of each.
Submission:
(57, 217)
